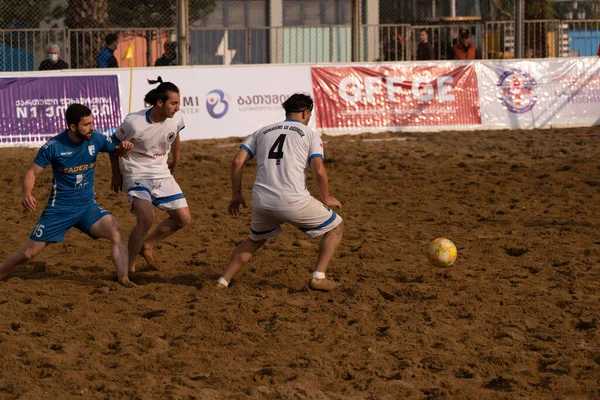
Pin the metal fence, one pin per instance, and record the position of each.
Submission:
(147, 45)
(543, 38)
(24, 49)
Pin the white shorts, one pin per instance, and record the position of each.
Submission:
(315, 220)
(164, 193)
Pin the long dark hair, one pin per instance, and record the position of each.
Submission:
(161, 92)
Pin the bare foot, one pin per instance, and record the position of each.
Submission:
(146, 252)
(127, 283)
(220, 286)
(324, 285)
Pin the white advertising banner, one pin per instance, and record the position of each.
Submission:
(234, 101)
(216, 102)
(539, 93)
(221, 102)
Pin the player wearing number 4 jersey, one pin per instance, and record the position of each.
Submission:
(146, 174)
(283, 152)
(72, 155)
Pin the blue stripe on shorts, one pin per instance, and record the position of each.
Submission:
(138, 188)
(324, 224)
(168, 199)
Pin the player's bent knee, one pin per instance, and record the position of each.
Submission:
(182, 218)
(244, 258)
(184, 221)
(145, 220)
(112, 231)
(119, 234)
(338, 230)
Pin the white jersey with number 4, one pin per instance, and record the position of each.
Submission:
(283, 152)
(151, 145)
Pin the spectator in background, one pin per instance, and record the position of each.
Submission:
(464, 49)
(53, 61)
(529, 53)
(170, 56)
(424, 49)
(392, 43)
(106, 57)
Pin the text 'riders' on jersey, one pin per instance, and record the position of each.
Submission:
(73, 165)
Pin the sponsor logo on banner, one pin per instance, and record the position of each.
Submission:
(191, 105)
(261, 102)
(578, 87)
(517, 91)
(217, 103)
(33, 108)
(396, 96)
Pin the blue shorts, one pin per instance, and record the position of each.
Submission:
(53, 224)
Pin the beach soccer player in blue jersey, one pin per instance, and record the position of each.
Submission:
(72, 155)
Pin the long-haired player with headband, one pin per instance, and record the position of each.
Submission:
(145, 174)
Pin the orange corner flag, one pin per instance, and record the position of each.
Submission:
(128, 53)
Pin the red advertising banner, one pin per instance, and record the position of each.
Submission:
(395, 96)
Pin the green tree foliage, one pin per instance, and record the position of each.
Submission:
(81, 15)
(538, 9)
(27, 14)
(154, 13)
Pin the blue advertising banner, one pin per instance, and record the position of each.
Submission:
(32, 110)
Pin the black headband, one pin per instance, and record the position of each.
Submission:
(309, 108)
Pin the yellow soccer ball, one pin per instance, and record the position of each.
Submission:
(441, 252)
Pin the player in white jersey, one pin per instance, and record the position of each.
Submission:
(145, 174)
(283, 152)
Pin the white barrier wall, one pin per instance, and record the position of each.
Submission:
(233, 101)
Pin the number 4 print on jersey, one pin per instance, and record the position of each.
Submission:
(276, 151)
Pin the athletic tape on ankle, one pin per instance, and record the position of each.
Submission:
(223, 282)
(319, 275)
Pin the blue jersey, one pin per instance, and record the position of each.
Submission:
(73, 167)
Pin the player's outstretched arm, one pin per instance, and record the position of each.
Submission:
(237, 171)
(27, 200)
(322, 181)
